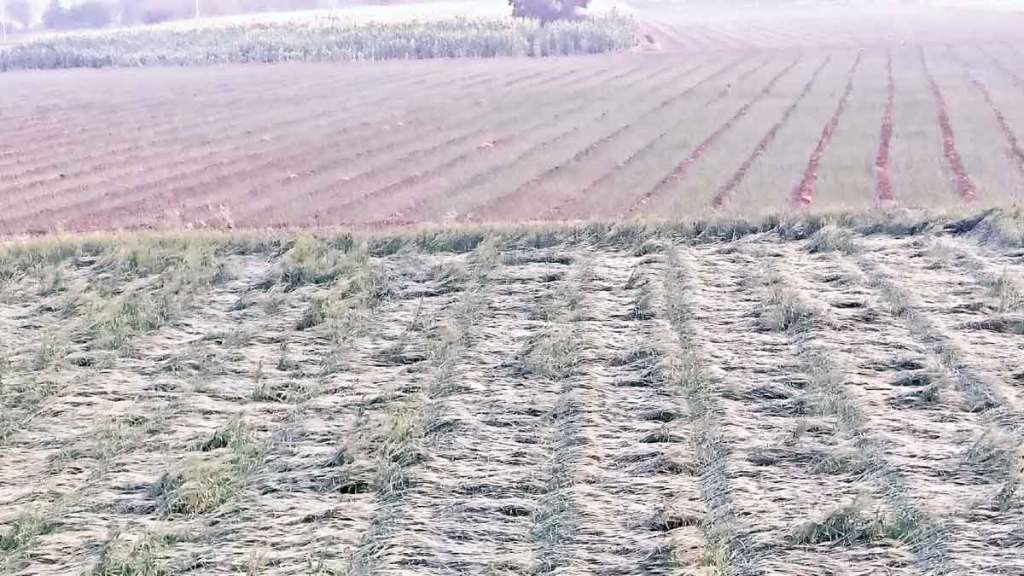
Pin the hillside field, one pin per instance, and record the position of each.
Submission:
(746, 299)
(822, 396)
(855, 113)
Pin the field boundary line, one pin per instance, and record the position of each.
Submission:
(413, 426)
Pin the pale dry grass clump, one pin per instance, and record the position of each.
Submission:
(203, 482)
(832, 238)
(142, 556)
(785, 308)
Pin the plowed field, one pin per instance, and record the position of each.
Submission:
(857, 112)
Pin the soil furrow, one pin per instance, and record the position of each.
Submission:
(883, 184)
(803, 194)
(588, 190)
(500, 205)
(724, 192)
(964, 186)
(679, 171)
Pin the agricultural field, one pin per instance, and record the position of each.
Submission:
(746, 298)
(796, 396)
(766, 126)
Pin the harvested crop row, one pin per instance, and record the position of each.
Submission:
(94, 167)
(121, 114)
(84, 164)
(238, 154)
(230, 169)
(489, 180)
(588, 191)
(1014, 150)
(338, 183)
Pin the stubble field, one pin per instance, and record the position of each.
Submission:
(799, 397)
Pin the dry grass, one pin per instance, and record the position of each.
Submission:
(328, 404)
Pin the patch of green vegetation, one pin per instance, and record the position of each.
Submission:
(553, 353)
(24, 530)
(853, 525)
(324, 38)
(141, 557)
(202, 483)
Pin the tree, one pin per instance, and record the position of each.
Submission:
(548, 10)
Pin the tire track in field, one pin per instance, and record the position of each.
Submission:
(1014, 150)
(929, 299)
(131, 202)
(315, 496)
(416, 178)
(819, 348)
(485, 471)
(407, 441)
(883, 181)
(723, 194)
(499, 205)
(401, 215)
(803, 194)
(634, 489)
(130, 163)
(680, 170)
(558, 210)
(964, 186)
